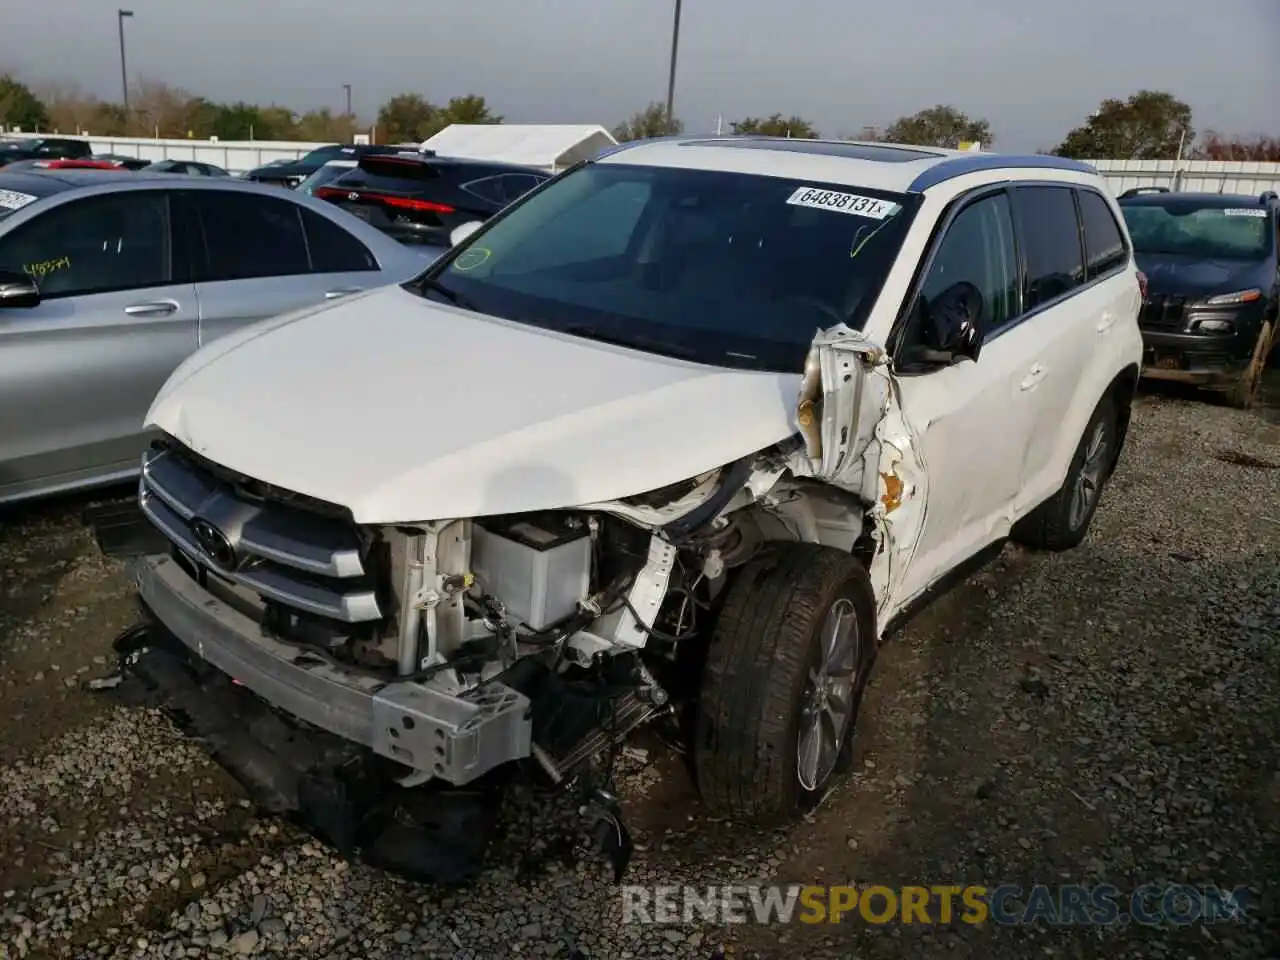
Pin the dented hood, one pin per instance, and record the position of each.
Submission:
(403, 409)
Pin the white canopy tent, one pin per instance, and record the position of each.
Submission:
(550, 146)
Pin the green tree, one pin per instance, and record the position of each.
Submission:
(776, 126)
(939, 126)
(649, 122)
(407, 117)
(1150, 125)
(19, 107)
(468, 109)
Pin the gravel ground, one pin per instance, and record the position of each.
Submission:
(1104, 715)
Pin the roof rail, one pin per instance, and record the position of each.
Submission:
(1138, 191)
(1268, 196)
(963, 163)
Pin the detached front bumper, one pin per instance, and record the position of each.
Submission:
(1214, 362)
(454, 738)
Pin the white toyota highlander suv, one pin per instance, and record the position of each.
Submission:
(693, 425)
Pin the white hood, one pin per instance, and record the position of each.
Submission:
(404, 410)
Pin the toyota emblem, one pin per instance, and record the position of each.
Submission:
(214, 543)
(353, 196)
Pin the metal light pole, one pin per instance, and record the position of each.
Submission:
(347, 87)
(671, 77)
(124, 72)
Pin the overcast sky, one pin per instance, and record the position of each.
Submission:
(1034, 68)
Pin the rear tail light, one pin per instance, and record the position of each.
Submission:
(399, 203)
(404, 203)
(1142, 284)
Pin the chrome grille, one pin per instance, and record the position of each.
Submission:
(311, 563)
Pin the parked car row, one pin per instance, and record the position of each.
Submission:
(61, 153)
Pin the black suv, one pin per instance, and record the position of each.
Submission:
(42, 148)
(295, 171)
(420, 198)
(1213, 285)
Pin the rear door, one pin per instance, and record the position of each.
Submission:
(261, 256)
(117, 315)
(1071, 245)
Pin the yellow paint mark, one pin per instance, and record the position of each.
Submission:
(892, 498)
(804, 414)
(472, 258)
(45, 267)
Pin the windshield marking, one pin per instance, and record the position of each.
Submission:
(1244, 212)
(471, 258)
(850, 203)
(13, 200)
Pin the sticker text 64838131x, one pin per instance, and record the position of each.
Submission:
(843, 203)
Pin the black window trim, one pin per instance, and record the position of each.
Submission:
(940, 229)
(176, 277)
(1090, 278)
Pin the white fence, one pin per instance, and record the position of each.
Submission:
(1209, 176)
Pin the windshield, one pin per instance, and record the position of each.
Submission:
(1195, 229)
(321, 155)
(326, 174)
(730, 269)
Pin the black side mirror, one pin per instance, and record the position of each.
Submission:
(18, 290)
(953, 322)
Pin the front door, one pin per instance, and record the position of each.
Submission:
(970, 420)
(78, 371)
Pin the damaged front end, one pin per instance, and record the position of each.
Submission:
(338, 668)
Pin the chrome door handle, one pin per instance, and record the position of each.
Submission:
(158, 308)
(1033, 377)
(341, 292)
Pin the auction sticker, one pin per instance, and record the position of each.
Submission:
(13, 200)
(842, 203)
(1245, 212)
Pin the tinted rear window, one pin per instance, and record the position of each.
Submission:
(358, 179)
(1103, 240)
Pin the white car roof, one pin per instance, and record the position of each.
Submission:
(342, 163)
(896, 168)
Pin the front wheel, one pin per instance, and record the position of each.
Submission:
(1244, 393)
(1062, 521)
(788, 663)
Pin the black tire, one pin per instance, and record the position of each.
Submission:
(1244, 393)
(1054, 525)
(766, 642)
